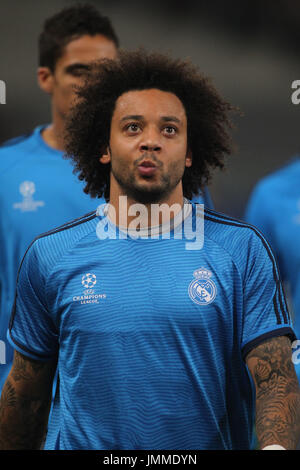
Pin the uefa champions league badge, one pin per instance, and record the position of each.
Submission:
(89, 281)
(202, 290)
(27, 190)
(89, 296)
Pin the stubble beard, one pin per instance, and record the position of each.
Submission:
(147, 194)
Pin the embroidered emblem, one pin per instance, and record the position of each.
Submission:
(202, 290)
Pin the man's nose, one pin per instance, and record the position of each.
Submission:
(150, 142)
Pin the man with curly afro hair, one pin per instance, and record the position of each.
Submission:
(206, 113)
(153, 334)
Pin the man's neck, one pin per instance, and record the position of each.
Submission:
(125, 212)
(53, 136)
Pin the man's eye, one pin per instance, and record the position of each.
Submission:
(132, 127)
(170, 130)
(80, 72)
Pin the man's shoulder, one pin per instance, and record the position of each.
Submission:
(14, 150)
(222, 225)
(18, 145)
(235, 236)
(287, 170)
(281, 178)
(68, 230)
(243, 243)
(18, 141)
(52, 245)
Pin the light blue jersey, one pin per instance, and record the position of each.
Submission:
(38, 192)
(274, 207)
(152, 336)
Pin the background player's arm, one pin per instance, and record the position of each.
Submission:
(25, 403)
(277, 393)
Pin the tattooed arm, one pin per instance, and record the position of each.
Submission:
(25, 403)
(277, 393)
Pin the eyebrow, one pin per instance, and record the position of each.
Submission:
(138, 117)
(170, 118)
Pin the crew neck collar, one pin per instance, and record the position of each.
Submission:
(38, 134)
(149, 232)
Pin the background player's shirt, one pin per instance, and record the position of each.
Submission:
(274, 207)
(38, 192)
(152, 336)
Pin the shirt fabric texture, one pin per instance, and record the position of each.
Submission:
(152, 337)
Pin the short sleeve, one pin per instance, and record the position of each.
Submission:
(265, 310)
(31, 330)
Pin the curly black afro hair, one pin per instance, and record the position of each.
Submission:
(88, 127)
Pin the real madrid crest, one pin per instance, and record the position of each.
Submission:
(202, 290)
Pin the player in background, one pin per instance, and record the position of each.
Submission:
(38, 190)
(274, 207)
(156, 340)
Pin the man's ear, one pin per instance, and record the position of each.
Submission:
(106, 156)
(45, 79)
(188, 159)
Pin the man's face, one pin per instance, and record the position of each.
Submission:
(72, 67)
(148, 145)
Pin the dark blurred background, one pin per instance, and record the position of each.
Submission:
(249, 48)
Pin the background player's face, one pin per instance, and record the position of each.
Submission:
(71, 69)
(148, 145)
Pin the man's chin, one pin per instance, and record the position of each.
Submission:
(148, 198)
(147, 195)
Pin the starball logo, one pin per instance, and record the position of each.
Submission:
(89, 296)
(2, 92)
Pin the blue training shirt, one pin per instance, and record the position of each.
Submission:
(38, 192)
(274, 207)
(152, 336)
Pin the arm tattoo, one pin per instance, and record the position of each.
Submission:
(26, 369)
(25, 403)
(8, 396)
(277, 393)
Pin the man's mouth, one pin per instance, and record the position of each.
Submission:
(147, 168)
